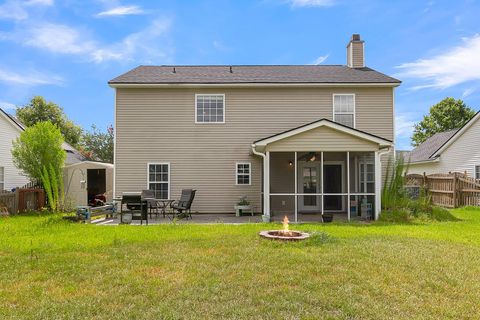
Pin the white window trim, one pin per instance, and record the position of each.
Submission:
(148, 176)
(475, 170)
(210, 94)
(340, 113)
(249, 174)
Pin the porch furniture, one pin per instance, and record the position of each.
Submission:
(181, 208)
(153, 205)
(366, 210)
(85, 213)
(135, 206)
(239, 209)
(164, 204)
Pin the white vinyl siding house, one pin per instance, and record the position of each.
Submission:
(11, 177)
(461, 153)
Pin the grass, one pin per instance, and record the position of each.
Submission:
(421, 270)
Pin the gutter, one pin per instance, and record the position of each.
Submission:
(256, 152)
(425, 161)
(252, 84)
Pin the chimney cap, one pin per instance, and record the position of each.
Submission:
(355, 37)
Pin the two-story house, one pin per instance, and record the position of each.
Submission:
(300, 140)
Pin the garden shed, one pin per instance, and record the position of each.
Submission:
(86, 181)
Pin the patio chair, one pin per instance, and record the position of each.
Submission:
(181, 208)
(135, 206)
(152, 204)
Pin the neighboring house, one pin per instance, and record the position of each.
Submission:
(82, 178)
(451, 151)
(266, 132)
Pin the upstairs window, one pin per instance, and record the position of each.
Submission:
(477, 172)
(209, 108)
(344, 109)
(243, 173)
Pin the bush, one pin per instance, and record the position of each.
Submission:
(401, 215)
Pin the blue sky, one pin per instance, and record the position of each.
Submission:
(67, 50)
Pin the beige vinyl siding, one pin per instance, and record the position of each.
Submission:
(158, 125)
(322, 139)
(461, 156)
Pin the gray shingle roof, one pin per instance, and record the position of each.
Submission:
(251, 74)
(425, 150)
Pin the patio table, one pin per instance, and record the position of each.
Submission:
(165, 203)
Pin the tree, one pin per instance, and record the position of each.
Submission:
(38, 110)
(38, 152)
(446, 115)
(37, 147)
(98, 145)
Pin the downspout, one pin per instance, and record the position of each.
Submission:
(265, 180)
(378, 177)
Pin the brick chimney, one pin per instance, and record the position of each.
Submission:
(356, 52)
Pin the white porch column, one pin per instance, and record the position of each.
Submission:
(321, 182)
(296, 189)
(266, 184)
(378, 184)
(348, 185)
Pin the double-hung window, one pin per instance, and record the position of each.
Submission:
(243, 173)
(159, 179)
(209, 108)
(344, 109)
(2, 178)
(477, 172)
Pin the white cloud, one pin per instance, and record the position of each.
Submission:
(63, 39)
(30, 78)
(403, 126)
(7, 106)
(467, 92)
(455, 66)
(312, 3)
(320, 60)
(121, 11)
(58, 38)
(144, 45)
(17, 10)
(403, 131)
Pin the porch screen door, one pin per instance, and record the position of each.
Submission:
(309, 174)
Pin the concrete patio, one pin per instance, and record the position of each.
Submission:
(205, 218)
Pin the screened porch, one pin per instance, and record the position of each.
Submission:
(306, 186)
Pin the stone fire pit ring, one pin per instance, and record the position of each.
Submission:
(281, 235)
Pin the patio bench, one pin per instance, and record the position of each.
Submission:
(85, 213)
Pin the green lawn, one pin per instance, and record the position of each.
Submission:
(55, 269)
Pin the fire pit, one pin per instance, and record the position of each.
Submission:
(285, 234)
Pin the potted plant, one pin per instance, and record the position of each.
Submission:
(242, 204)
(327, 217)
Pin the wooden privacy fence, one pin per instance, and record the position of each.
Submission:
(451, 190)
(22, 200)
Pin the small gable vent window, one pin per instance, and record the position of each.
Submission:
(209, 108)
(344, 109)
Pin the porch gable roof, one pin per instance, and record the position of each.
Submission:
(382, 142)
